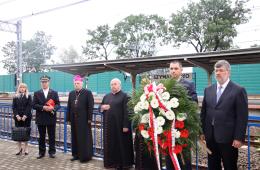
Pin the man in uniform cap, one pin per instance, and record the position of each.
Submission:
(46, 103)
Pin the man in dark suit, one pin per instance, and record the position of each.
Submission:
(46, 103)
(224, 116)
(176, 72)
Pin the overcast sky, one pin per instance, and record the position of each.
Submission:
(68, 26)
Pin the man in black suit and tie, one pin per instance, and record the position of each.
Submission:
(224, 116)
(176, 72)
(46, 103)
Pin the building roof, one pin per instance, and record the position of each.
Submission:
(139, 65)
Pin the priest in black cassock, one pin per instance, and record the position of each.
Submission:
(118, 143)
(79, 114)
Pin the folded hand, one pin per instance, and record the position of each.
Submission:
(236, 144)
(18, 118)
(105, 107)
(125, 129)
(24, 117)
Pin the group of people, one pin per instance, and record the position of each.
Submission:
(46, 103)
(224, 115)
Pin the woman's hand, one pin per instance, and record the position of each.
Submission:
(24, 117)
(18, 117)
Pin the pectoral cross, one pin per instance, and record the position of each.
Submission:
(76, 101)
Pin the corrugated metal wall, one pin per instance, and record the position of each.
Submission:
(100, 83)
(7, 83)
(63, 82)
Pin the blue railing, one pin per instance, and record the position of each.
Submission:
(63, 139)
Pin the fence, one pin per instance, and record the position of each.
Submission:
(63, 139)
(63, 134)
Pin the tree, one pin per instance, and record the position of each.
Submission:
(209, 25)
(69, 56)
(37, 50)
(99, 45)
(9, 61)
(137, 35)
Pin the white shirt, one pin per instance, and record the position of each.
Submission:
(45, 91)
(223, 86)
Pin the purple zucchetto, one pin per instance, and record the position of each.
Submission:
(77, 78)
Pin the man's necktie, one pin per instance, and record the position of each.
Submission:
(219, 92)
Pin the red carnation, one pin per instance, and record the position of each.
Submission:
(177, 149)
(141, 126)
(184, 133)
(179, 124)
(184, 145)
(167, 133)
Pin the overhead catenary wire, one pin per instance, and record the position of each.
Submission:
(46, 11)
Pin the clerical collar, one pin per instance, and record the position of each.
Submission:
(78, 91)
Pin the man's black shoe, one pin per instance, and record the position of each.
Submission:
(40, 156)
(51, 155)
(74, 158)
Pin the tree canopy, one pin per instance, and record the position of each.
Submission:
(137, 35)
(99, 44)
(69, 55)
(10, 57)
(208, 25)
(34, 53)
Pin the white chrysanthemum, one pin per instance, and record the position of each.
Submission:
(145, 105)
(174, 102)
(160, 91)
(174, 99)
(168, 105)
(159, 130)
(145, 134)
(138, 107)
(170, 115)
(160, 121)
(181, 116)
(154, 103)
(143, 98)
(165, 96)
(176, 133)
(145, 118)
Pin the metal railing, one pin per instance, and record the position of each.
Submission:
(63, 131)
(63, 139)
(254, 121)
